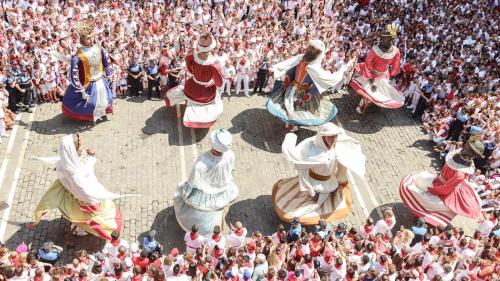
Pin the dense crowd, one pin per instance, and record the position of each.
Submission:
(368, 252)
(449, 75)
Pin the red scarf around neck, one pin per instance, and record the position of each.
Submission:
(193, 235)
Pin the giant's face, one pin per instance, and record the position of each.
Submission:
(329, 141)
(386, 41)
(311, 53)
(86, 40)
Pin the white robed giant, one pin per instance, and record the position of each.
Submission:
(320, 190)
(210, 187)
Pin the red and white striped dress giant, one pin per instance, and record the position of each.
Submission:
(439, 199)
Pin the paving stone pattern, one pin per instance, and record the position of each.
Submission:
(139, 150)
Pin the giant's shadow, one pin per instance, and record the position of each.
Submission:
(58, 231)
(262, 130)
(373, 120)
(255, 214)
(164, 121)
(428, 146)
(60, 124)
(169, 233)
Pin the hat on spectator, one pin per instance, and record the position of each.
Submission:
(22, 248)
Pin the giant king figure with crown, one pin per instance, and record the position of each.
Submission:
(89, 96)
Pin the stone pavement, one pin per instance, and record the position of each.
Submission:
(145, 150)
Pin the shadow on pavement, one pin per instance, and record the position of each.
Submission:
(262, 130)
(164, 121)
(169, 233)
(373, 120)
(60, 124)
(255, 214)
(428, 146)
(56, 230)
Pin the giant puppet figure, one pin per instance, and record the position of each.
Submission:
(321, 189)
(371, 79)
(204, 104)
(438, 199)
(297, 100)
(210, 187)
(77, 192)
(89, 96)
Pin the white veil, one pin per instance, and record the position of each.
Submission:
(77, 175)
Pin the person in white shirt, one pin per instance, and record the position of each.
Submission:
(242, 77)
(111, 247)
(385, 225)
(193, 240)
(228, 73)
(237, 236)
(215, 240)
(339, 270)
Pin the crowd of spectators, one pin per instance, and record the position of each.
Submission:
(449, 75)
(369, 252)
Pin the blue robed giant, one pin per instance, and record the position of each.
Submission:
(89, 95)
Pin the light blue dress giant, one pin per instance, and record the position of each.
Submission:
(210, 188)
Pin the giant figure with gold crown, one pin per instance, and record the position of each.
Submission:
(438, 199)
(371, 78)
(298, 99)
(199, 89)
(89, 96)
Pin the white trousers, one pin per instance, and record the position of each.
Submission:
(226, 87)
(246, 80)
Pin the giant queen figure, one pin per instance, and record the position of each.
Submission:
(371, 78)
(89, 96)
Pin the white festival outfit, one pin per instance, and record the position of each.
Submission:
(320, 171)
(210, 187)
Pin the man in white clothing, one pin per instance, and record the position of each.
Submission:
(242, 72)
(228, 74)
(193, 240)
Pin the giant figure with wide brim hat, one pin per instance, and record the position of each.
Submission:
(439, 198)
(200, 87)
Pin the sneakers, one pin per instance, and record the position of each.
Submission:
(358, 109)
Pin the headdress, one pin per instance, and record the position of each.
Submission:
(85, 27)
(391, 30)
(221, 140)
(208, 48)
(476, 144)
(318, 44)
(329, 129)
